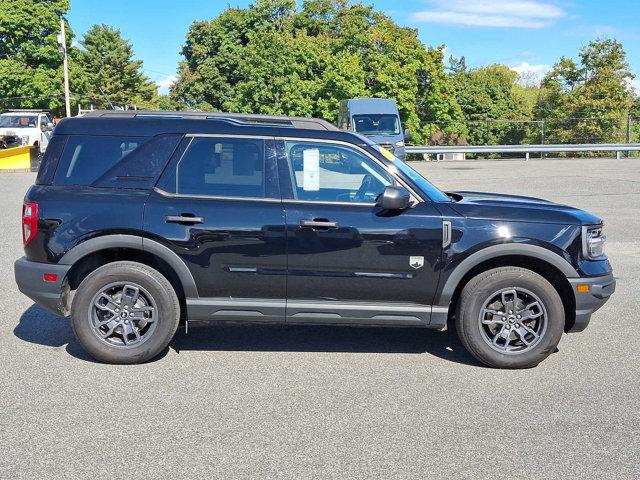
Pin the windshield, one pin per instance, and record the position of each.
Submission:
(376, 124)
(422, 183)
(18, 121)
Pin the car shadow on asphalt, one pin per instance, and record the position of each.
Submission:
(42, 328)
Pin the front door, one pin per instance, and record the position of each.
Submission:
(217, 205)
(348, 260)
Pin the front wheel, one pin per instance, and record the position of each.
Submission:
(510, 317)
(125, 312)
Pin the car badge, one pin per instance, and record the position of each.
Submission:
(416, 262)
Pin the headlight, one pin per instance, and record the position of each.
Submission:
(593, 239)
(400, 144)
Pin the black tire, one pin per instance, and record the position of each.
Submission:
(153, 285)
(477, 338)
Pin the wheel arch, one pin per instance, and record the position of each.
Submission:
(550, 266)
(98, 251)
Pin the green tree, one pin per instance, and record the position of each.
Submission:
(274, 58)
(492, 93)
(30, 63)
(111, 75)
(587, 101)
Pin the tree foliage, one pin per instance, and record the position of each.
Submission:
(588, 100)
(111, 74)
(277, 59)
(492, 93)
(30, 73)
(31, 64)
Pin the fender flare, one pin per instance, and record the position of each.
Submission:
(137, 243)
(497, 251)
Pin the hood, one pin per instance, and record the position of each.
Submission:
(514, 208)
(19, 131)
(382, 139)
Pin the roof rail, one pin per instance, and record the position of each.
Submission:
(243, 118)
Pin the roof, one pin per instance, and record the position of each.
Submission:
(274, 120)
(149, 123)
(372, 105)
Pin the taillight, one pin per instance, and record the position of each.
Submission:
(29, 222)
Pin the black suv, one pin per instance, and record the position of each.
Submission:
(138, 221)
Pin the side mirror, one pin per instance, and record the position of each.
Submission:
(394, 198)
(47, 127)
(407, 135)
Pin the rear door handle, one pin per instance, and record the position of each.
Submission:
(186, 219)
(318, 223)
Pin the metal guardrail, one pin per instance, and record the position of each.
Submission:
(527, 149)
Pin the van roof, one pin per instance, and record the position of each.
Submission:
(371, 105)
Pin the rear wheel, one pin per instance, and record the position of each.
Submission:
(510, 317)
(125, 312)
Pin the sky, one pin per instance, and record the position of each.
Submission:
(527, 35)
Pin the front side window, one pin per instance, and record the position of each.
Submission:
(376, 124)
(334, 173)
(227, 167)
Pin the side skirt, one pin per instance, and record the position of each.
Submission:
(311, 312)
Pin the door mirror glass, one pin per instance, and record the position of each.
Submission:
(394, 198)
(407, 135)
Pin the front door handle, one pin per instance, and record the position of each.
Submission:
(185, 219)
(319, 223)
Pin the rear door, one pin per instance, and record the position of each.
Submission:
(218, 206)
(349, 261)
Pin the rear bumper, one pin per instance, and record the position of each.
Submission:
(601, 288)
(30, 279)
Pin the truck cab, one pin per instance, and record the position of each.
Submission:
(375, 118)
(19, 128)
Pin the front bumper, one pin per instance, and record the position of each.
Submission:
(30, 279)
(600, 289)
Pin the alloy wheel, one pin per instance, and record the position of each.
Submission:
(513, 320)
(123, 315)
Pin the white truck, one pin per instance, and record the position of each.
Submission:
(25, 127)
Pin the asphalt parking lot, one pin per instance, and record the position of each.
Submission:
(332, 402)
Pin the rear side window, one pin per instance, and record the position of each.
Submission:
(227, 167)
(50, 159)
(87, 157)
(141, 168)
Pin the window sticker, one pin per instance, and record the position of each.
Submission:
(311, 166)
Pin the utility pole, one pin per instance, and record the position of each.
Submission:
(62, 41)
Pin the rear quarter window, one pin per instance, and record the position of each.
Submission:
(50, 160)
(85, 158)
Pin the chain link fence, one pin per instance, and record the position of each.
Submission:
(535, 132)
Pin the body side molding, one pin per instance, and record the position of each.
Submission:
(137, 243)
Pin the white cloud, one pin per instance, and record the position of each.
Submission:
(530, 75)
(525, 67)
(634, 85)
(491, 13)
(165, 84)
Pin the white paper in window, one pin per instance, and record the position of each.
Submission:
(311, 165)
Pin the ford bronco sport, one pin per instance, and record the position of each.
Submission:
(138, 221)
